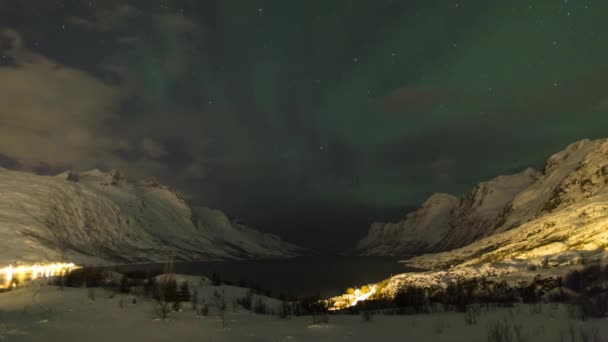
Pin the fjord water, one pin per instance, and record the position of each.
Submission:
(300, 276)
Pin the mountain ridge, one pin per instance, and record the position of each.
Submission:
(570, 178)
(101, 217)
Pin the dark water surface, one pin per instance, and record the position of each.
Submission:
(301, 276)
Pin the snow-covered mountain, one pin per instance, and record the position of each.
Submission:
(418, 233)
(522, 215)
(444, 221)
(97, 217)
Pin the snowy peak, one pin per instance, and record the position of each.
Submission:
(102, 217)
(488, 198)
(543, 195)
(416, 233)
(577, 174)
(570, 156)
(439, 200)
(478, 212)
(588, 179)
(445, 221)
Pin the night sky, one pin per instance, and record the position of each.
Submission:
(309, 119)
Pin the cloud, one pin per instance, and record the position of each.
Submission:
(106, 20)
(152, 148)
(57, 116)
(51, 112)
(176, 23)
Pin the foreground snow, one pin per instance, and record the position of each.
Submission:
(39, 312)
(96, 217)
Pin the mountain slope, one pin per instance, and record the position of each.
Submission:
(444, 221)
(565, 211)
(417, 233)
(573, 183)
(477, 213)
(97, 217)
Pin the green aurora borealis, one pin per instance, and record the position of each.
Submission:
(320, 116)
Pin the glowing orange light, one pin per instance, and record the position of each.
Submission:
(351, 299)
(24, 272)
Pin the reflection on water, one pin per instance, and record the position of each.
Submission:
(325, 276)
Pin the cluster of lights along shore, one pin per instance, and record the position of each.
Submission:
(11, 276)
(351, 299)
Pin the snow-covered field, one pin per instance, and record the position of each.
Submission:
(39, 312)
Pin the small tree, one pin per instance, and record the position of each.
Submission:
(260, 306)
(165, 294)
(183, 295)
(220, 304)
(124, 285)
(367, 315)
(247, 301)
(319, 313)
(195, 300)
(149, 287)
(412, 297)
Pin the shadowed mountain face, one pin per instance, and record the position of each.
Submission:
(97, 217)
(569, 194)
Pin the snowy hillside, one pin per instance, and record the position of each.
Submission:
(444, 221)
(417, 233)
(512, 216)
(564, 212)
(97, 217)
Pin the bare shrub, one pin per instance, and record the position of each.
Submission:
(471, 315)
(285, 310)
(194, 300)
(412, 297)
(204, 311)
(367, 316)
(518, 329)
(499, 331)
(219, 302)
(165, 294)
(319, 314)
(247, 301)
(260, 306)
(439, 326)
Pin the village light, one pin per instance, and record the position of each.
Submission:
(24, 272)
(351, 299)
